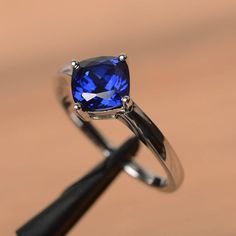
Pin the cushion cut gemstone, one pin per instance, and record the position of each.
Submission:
(100, 83)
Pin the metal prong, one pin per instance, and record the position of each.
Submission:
(122, 57)
(75, 64)
(81, 114)
(77, 106)
(127, 103)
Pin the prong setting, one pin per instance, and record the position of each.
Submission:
(75, 64)
(77, 107)
(81, 114)
(122, 57)
(108, 114)
(127, 103)
(90, 105)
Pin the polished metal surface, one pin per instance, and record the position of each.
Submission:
(153, 138)
(134, 118)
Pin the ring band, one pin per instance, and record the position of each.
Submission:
(82, 109)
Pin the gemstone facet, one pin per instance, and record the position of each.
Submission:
(100, 83)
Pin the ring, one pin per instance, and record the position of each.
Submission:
(99, 88)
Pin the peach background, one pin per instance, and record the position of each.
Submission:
(182, 58)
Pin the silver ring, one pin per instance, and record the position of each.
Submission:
(96, 89)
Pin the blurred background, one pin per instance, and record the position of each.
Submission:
(181, 56)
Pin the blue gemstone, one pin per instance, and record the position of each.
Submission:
(100, 83)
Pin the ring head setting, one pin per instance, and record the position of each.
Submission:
(100, 84)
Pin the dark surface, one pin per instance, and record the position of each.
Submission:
(59, 217)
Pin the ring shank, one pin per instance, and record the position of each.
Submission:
(153, 138)
(142, 127)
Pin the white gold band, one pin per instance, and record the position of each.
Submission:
(134, 118)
